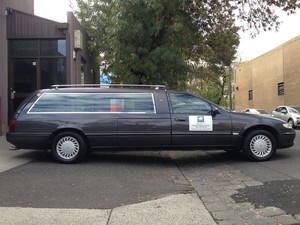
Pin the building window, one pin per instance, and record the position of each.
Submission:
(281, 88)
(53, 71)
(250, 95)
(49, 65)
(53, 48)
(23, 48)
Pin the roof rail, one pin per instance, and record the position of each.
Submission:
(158, 87)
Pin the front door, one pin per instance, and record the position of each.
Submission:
(22, 81)
(194, 124)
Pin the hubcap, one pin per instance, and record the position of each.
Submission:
(67, 147)
(261, 145)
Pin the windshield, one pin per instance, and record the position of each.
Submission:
(295, 109)
(261, 111)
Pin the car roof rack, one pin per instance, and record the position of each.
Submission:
(154, 86)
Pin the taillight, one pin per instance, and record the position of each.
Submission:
(12, 125)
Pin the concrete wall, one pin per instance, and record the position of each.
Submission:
(267, 72)
(263, 74)
(291, 72)
(243, 84)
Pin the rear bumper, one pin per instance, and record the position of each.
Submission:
(25, 141)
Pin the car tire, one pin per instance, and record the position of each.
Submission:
(68, 147)
(259, 145)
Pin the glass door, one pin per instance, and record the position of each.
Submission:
(23, 80)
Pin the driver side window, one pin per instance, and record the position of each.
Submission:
(283, 110)
(188, 104)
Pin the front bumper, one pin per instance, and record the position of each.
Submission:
(286, 140)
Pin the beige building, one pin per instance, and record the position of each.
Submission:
(271, 79)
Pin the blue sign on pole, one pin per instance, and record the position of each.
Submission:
(105, 78)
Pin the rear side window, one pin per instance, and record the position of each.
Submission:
(188, 104)
(94, 103)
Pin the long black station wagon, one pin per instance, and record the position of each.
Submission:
(72, 120)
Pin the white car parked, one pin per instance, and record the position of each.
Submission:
(255, 111)
(290, 114)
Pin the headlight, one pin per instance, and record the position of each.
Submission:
(287, 125)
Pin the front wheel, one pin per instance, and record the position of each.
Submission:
(68, 147)
(259, 145)
(291, 122)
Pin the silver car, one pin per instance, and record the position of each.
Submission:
(290, 114)
(255, 111)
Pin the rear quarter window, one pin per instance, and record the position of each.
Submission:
(94, 103)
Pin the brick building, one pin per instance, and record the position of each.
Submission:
(271, 79)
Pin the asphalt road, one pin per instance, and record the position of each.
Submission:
(101, 181)
(284, 165)
(108, 180)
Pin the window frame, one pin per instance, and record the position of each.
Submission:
(250, 95)
(280, 89)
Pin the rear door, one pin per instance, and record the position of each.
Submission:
(144, 120)
(195, 125)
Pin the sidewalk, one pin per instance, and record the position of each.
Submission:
(10, 159)
(181, 209)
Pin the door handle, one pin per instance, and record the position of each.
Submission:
(180, 119)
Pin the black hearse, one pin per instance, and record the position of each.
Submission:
(73, 119)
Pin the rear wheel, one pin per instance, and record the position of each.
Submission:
(259, 145)
(68, 147)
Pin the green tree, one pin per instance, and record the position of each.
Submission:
(163, 41)
(154, 41)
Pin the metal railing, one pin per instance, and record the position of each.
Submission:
(158, 87)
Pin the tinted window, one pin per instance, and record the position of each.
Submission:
(53, 47)
(94, 103)
(53, 71)
(23, 48)
(186, 103)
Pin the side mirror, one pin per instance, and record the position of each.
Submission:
(214, 111)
